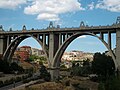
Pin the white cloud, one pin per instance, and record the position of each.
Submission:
(111, 5)
(11, 4)
(48, 16)
(91, 6)
(51, 9)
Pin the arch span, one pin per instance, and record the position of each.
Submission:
(14, 44)
(63, 47)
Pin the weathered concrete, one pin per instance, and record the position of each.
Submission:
(118, 48)
(54, 72)
(51, 49)
(1, 45)
(58, 40)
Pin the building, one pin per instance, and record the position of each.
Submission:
(21, 55)
(25, 48)
(77, 56)
(37, 52)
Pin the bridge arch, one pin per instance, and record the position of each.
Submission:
(65, 44)
(14, 44)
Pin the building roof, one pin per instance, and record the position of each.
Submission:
(25, 47)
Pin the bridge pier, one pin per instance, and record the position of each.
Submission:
(3, 45)
(118, 48)
(53, 47)
(54, 72)
(55, 41)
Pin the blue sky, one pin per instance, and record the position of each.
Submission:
(67, 13)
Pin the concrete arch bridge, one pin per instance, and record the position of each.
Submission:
(54, 41)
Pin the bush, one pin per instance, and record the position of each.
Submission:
(47, 77)
(9, 68)
(24, 77)
(44, 73)
(112, 84)
(103, 65)
(4, 67)
(95, 79)
(1, 83)
(67, 83)
(26, 80)
(101, 86)
(7, 82)
(15, 67)
(76, 71)
(18, 79)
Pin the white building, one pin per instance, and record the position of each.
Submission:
(76, 56)
(37, 52)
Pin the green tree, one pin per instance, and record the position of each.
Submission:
(86, 62)
(103, 65)
(4, 66)
(15, 67)
(78, 70)
(44, 73)
(73, 64)
(31, 58)
(86, 69)
(34, 57)
(112, 84)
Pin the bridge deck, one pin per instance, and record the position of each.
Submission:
(95, 29)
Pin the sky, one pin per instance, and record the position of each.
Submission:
(66, 13)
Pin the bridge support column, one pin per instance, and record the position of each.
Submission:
(53, 47)
(118, 48)
(109, 39)
(44, 41)
(101, 36)
(8, 40)
(3, 45)
(60, 39)
(54, 72)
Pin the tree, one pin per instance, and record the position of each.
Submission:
(103, 65)
(86, 62)
(15, 67)
(4, 66)
(34, 57)
(44, 73)
(78, 70)
(113, 83)
(31, 58)
(86, 69)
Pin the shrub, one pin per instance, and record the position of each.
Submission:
(112, 84)
(18, 79)
(1, 83)
(101, 86)
(44, 73)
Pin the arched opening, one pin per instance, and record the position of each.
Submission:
(24, 48)
(29, 54)
(81, 49)
(73, 37)
(25, 52)
(86, 43)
